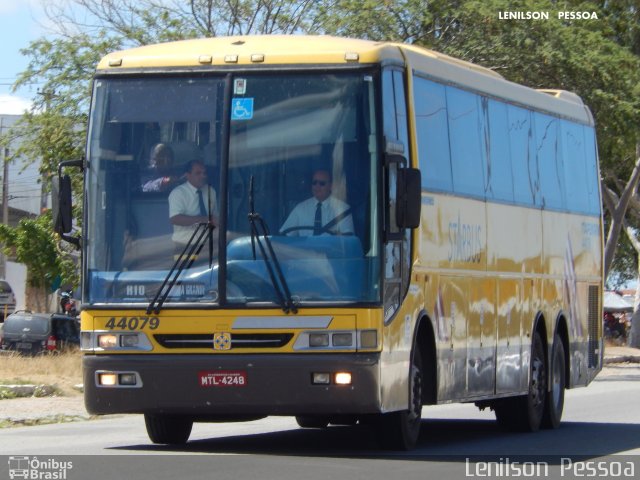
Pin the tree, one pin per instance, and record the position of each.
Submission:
(634, 334)
(633, 236)
(142, 22)
(64, 63)
(55, 129)
(597, 59)
(34, 244)
(617, 205)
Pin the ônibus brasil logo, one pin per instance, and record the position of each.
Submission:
(38, 469)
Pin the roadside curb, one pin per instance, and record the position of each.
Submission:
(622, 359)
(22, 391)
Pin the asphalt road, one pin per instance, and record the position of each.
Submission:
(456, 442)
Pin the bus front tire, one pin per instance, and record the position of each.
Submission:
(309, 421)
(168, 429)
(400, 430)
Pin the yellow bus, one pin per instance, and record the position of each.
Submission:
(381, 227)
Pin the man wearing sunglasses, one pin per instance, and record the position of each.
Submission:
(322, 214)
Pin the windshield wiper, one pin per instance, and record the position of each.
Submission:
(260, 230)
(185, 260)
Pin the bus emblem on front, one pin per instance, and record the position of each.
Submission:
(222, 341)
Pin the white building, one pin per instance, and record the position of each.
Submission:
(24, 194)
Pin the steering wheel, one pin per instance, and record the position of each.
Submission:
(327, 227)
(305, 227)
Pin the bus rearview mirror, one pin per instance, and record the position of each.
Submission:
(409, 198)
(62, 206)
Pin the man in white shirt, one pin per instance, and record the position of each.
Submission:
(191, 203)
(322, 214)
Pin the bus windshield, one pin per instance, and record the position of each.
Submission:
(284, 165)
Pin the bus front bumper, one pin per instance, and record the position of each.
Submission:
(228, 385)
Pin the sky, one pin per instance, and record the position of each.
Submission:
(21, 21)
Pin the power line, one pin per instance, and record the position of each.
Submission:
(28, 83)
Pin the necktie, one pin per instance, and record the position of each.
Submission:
(317, 223)
(203, 210)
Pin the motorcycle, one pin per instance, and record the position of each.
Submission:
(68, 304)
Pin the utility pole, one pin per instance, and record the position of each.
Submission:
(47, 95)
(5, 196)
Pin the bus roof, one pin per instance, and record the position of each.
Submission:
(252, 50)
(278, 50)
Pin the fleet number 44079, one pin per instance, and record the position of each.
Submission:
(133, 323)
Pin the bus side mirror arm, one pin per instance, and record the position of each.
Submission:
(62, 203)
(409, 201)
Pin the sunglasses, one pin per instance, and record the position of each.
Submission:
(322, 183)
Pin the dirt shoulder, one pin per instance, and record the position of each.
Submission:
(41, 389)
(39, 410)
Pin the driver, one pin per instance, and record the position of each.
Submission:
(322, 214)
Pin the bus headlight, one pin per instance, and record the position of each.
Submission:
(114, 341)
(127, 379)
(337, 340)
(321, 378)
(342, 339)
(129, 340)
(369, 339)
(110, 379)
(85, 341)
(107, 379)
(318, 339)
(108, 341)
(343, 378)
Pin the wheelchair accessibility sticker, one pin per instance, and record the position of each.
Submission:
(242, 109)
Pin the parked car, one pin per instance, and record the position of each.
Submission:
(7, 299)
(33, 333)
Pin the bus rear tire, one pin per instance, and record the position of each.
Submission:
(168, 429)
(555, 396)
(525, 413)
(400, 430)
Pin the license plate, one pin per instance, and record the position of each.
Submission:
(235, 378)
(23, 345)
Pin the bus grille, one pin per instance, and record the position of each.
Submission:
(238, 340)
(594, 323)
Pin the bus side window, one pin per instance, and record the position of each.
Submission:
(432, 130)
(397, 248)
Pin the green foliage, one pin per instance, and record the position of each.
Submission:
(143, 22)
(55, 129)
(33, 243)
(625, 265)
(6, 393)
(623, 21)
(597, 59)
(575, 56)
(410, 21)
(587, 57)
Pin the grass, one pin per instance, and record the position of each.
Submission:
(63, 371)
